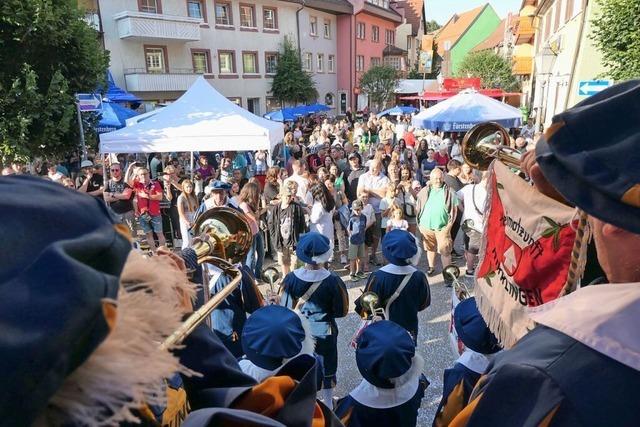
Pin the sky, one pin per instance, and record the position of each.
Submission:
(441, 10)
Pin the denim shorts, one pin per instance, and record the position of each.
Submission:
(155, 223)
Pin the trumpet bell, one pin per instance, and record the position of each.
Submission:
(270, 275)
(370, 301)
(452, 272)
(227, 235)
(485, 142)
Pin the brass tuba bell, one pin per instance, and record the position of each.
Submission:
(488, 141)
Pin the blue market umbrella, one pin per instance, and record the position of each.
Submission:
(315, 108)
(398, 111)
(113, 116)
(465, 110)
(286, 114)
(116, 94)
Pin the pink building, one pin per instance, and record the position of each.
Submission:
(362, 37)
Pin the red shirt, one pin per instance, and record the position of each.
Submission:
(440, 159)
(409, 139)
(147, 205)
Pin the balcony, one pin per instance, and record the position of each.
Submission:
(155, 26)
(522, 65)
(176, 80)
(525, 31)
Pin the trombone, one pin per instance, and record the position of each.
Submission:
(225, 239)
(488, 141)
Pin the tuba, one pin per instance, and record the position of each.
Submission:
(224, 238)
(488, 141)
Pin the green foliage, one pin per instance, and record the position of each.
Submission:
(291, 83)
(431, 26)
(493, 69)
(48, 53)
(379, 83)
(413, 73)
(616, 35)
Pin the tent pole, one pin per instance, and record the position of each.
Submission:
(191, 161)
(104, 172)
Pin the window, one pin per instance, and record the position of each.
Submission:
(201, 60)
(547, 26)
(375, 62)
(223, 14)
(331, 64)
(247, 16)
(273, 104)
(320, 63)
(327, 29)
(360, 30)
(394, 62)
(271, 62)
(556, 13)
(328, 100)
(389, 37)
(253, 105)
(359, 63)
(226, 62)
(150, 6)
(269, 18)
(568, 14)
(409, 39)
(155, 58)
(236, 100)
(313, 26)
(195, 9)
(375, 34)
(250, 62)
(307, 64)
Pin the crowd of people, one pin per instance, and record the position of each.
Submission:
(361, 194)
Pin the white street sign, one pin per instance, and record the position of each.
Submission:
(89, 101)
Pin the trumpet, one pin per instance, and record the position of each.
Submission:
(452, 272)
(225, 239)
(271, 275)
(371, 304)
(488, 141)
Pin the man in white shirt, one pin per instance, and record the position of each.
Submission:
(473, 198)
(528, 130)
(298, 168)
(374, 184)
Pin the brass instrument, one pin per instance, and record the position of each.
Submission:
(487, 141)
(452, 272)
(271, 275)
(224, 238)
(371, 304)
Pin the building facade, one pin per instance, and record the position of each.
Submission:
(362, 37)
(523, 51)
(565, 55)
(159, 47)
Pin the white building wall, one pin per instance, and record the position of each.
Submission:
(128, 54)
(326, 82)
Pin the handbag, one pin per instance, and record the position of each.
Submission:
(408, 209)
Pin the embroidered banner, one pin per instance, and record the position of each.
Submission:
(525, 254)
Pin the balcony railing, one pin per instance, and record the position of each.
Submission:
(157, 26)
(525, 31)
(176, 80)
(522, 65)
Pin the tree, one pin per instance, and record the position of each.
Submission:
(431, 26)
(493, 69)
(291, 83)
(615, 34)
(48, 53)
(379, 83)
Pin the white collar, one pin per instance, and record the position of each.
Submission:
(477, 362)
(311, 275)
(381, 398)
(398, 269)
(256, 372)
(602, 317)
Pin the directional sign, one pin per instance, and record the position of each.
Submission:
(89, 101)
(591, 87)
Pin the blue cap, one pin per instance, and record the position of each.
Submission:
(314, 248)
(384, 351)
(271, 334)
(399, 247)
(65, 255)
(472, 329)
(590, 154)
(219, 185)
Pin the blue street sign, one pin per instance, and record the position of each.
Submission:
(89, 101)
(591, 87)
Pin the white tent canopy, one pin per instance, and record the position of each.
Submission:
(200, 120)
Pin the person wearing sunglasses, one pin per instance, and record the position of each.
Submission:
(118, 196)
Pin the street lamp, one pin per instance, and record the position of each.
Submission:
(544, 61)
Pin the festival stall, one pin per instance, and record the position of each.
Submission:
(200, 120)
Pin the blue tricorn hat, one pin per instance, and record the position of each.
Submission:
(272, 334)
(314, 248)
(591, 155)
(64, 257)
(217, 185)
(384, 351)
(399, 247)
(472, 329)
